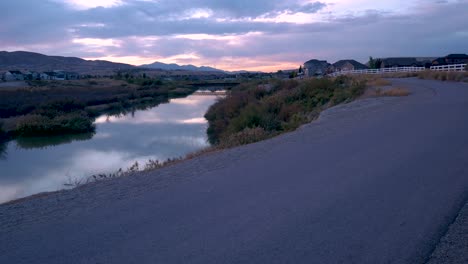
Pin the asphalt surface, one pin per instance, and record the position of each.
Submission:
(374, 181)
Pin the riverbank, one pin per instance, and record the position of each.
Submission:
(383, 196)
(254, 112)
(45, 108)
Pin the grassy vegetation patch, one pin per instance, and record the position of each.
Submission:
(42, 125)
(252, 113)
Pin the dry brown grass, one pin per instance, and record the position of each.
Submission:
(399, 75)
(378, 82)
(372, 80)
(444, 76)
(395, 92)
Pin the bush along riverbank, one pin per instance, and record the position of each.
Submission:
(49, 111)
(254, 111)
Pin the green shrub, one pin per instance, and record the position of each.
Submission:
(33, 125)
(57, 108)
(284, 107)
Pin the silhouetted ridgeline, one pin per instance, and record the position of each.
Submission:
(39, 62)
(255, 111)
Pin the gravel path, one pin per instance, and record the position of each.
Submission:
(374, 181)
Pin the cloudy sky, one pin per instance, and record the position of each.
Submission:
(234, 34)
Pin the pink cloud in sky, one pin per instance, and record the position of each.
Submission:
(265, 35)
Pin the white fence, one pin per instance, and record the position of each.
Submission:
(454, 67)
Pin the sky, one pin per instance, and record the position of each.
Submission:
(264, 35)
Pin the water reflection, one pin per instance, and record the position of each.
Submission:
(167, 131)
(44, 142)
(3, 150)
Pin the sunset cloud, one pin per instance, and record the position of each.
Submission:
(234, 35)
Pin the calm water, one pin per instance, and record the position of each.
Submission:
(46, 164)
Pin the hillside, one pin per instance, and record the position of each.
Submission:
(173, 66)
(23, 60)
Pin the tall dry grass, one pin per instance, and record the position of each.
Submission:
(444, 76)
(396, 92)
(372, 80)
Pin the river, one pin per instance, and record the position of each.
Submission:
(34, 165)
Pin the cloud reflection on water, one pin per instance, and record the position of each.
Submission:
(167, 131)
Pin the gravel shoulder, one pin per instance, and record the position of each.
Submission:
(453, 247)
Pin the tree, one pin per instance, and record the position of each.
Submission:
(375, 63)
(300, 69)
(378, 63)
(371, 63)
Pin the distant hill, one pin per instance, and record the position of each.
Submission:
(173, 66)
(23, 60)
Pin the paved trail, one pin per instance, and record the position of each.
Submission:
(374, 181)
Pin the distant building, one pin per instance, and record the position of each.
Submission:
(72, 76)
(451, 59)
(456, 59)
(28, 75)
(439, 61)
(13, 76)
(401, 62)
(64, 75)
(316, 68)
(348, 65)
(48, 75)
(45, 76)
(59, 75)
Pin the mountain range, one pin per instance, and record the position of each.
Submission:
(24, 60)
(173, 66)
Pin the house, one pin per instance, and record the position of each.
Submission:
(348, 65)
(13, 76)
(72, 76)
(401, 62)
(456, 59)
(28, 75)
(451, 59)
(316, 68)
(50, 75)
(59, 75)
(45, 76)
